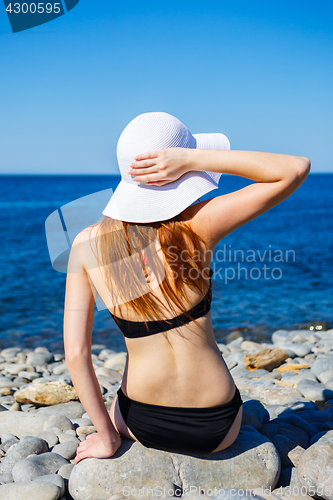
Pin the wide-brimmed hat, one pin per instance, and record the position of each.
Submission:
(135, 202)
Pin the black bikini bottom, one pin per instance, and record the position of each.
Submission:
(186, 430)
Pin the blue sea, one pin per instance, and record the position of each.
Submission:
(274, 272)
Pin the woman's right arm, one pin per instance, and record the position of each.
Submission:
(277, 176)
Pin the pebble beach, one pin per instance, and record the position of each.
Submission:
(284, 448)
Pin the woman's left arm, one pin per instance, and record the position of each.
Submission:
(78, 321)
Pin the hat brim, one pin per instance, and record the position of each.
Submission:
(143, 204)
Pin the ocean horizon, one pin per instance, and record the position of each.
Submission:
(274, 272)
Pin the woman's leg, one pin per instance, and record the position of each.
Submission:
(118, 421)
(232, 433)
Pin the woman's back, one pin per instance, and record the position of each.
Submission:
(178, 367)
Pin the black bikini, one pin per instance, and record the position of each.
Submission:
(136, 329)
(181, 429)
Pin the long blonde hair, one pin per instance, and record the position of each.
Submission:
(129, 245)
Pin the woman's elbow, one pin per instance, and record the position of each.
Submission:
(75, 358)
(302, 167)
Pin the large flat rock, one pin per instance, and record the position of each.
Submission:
(315, 469)
(251, 462)
(21, 424)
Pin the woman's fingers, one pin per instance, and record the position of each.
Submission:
(143, 171)
(80, 455)
(89, 436)
(146, 156)
(143, 164)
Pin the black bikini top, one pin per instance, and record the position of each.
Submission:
(137, 329)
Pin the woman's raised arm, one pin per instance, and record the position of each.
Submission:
(277, 176)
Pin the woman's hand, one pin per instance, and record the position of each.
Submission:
(161, 167)
(94, 447)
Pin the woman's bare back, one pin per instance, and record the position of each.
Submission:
(180, 367)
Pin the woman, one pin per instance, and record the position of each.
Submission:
(148, 260)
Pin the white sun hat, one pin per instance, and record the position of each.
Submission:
(135, 202)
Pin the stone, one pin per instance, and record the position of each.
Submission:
(315, 470)
(250, 345)
(32, 467)
(293, 367)
(16, 368)
(266, 359)
(328, 435)
(303, 405)
(291, 493)
(302, 375)
(109, 374)
(6, 392)
(250, 461)
(51, 393)
(329, 384)
(288, 477)
(264, 493)
(248, 428)
(314, 392)
(319, 435)
(299, 349)
(15, 407)
(290, 353)
(10, 352)
(325, 376)
(6, 477)
(49, 437)
(268, 393)
(322, 364)
(258, 373)
(66, 450)
(28, 375)
(59, 369)
(81, 422)
(117, 359)
(270, 376)
(71, 410)
(28, 446)
(71, 432)
(21, 423)
(238, 371)
(6, 382)
(58, 421)
(106, 353)
(64, 438)
(270, 430)
(46, 378)
(254, 414)
(55, 479)
(29, 491)
(296, 434)
(87, 429)
(7, 441)
(295, 455)
(235, 494)
(284, 446)
(66, 470)
(39, 358)
(280, 336)
(301, 423)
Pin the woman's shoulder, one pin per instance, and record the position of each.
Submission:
(86, 234)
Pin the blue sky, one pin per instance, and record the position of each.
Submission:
(258, 71)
